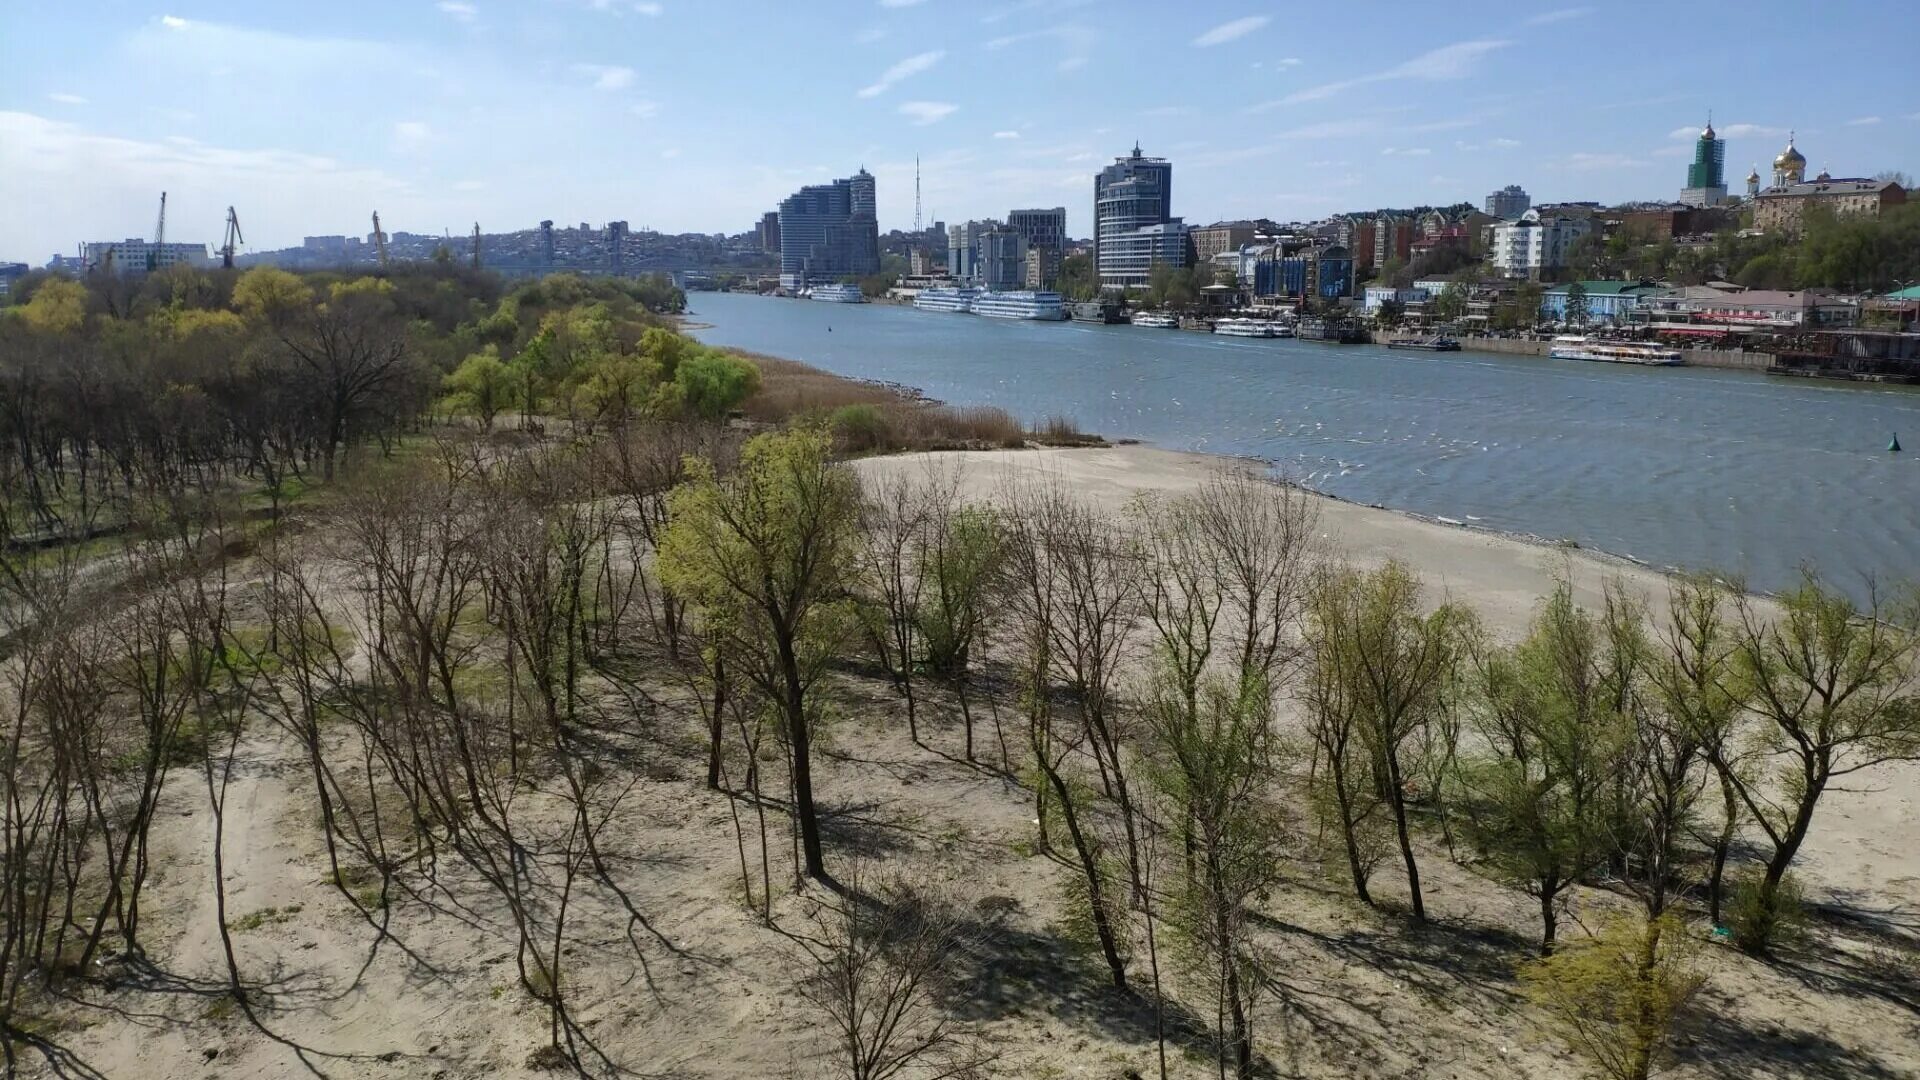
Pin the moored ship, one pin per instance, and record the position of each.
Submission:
(1431, 344)
(1576, 347)
(1024, 304)
(839, 294)
(1096, 311)
(1338, 331)
(1155, 320)
(955, 300)
(1256, 328)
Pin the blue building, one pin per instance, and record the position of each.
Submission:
(1325, 272)
(1609, 303)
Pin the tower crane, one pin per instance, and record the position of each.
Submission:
(379, 240)
(159, 235)
(476, 245)
(233, 239)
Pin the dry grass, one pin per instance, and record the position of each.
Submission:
(871, 418)
(1059, 430)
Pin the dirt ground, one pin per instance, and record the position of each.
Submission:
(1359, 993)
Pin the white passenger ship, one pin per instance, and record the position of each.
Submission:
(1045, 306)
(1260, 328)
(839, 294)
(1156, 320)
(960, 300)
(1575, 347)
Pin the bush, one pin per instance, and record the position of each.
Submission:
(1614, 998)
(1759, 922)
(1063, 431)
(713, 384)
(860, 428)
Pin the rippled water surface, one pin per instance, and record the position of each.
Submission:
(1737, 471)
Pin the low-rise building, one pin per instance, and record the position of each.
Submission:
(137, 256)
(1609, 303)
(1750, 309)
(1220, 237)
(1784, 209)
(1378, 296)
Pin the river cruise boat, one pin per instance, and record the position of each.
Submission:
(1096, 311)
(1576, 347)
(1156, 320)
(1259, 328)
(1338, 331)
(839, 294)
(1040, 306)
(1432, 344)
(956, 300)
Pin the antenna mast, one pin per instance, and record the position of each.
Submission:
(916, 193)
(379, 240)
(476, 245)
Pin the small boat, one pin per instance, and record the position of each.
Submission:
(1577, 347)
(839, 294)
(1156, 320)
(1338, 331)
(1432, 344)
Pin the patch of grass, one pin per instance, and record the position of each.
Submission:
(267, 916)
(1057, 430)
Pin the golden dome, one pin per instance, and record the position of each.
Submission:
(1789, 157)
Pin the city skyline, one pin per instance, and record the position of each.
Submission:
(682, 117)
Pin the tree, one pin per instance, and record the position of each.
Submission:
(58, 307)
(1835, 688)
(960, 565)
(1613, 998)
(482, 385)
(1451, 304)
(1078, 280)
(1577, 313)
(1389, 313)
(713, 384)
(270, 295)
(1401, 665)
(772, 546)
(1555, 740)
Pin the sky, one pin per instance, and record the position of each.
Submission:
(699, 115)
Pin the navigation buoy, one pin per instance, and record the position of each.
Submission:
(1894, 446)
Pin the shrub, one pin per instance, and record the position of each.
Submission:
(1613, 998)
(713, 384)
(860, 428)
(1058, 430)
(1759, 921)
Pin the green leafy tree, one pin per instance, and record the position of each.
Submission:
(1577, 312)
(960, 565)
(711, 384)
(1451, 304)
(770, 548)
(1613, 998)
(482, 385)
(1078, 280)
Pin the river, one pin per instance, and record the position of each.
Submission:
(1738, 472)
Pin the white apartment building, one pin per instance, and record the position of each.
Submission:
(1533, 245)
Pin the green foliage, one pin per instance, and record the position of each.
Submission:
(1613, 999)
(1451, 304)
(483, 386)
(859, 427)
(1761, 918)
(57, 307)
(712, 384)
(1078, 278)
(960, 566)
(1577, 311)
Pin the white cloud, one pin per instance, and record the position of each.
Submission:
(1547, 18)
(1074, 42)
(648, 8)
(900, 3)
(670, 153)
(458, 10)
(927, 112)
(66, 99)
(1863, 121)
(1749, 131)
(870, 35)
(173, 22)
(1504, 143)
(1584, 161)
(911, 66)
(410, 136)
(470, 185)
(1449, 62)
(1230, 31)
(606, 76)
(643, 109)
(1006, 134)
(1686, 132)
(1410, 151)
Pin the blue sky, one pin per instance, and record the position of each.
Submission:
(691, 115)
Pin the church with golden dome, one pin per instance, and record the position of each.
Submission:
(1783, 204)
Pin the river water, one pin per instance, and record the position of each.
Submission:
(1738, 472)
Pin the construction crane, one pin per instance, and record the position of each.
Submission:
(379, 240)
(476, 245)
(159, 235)
(233, 240)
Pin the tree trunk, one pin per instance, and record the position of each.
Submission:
(1345, 802)
(796, 707)
(716, 721)
(1398, 798)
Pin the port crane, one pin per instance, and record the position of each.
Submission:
(233, 239)
(379, 240)
(159, 236)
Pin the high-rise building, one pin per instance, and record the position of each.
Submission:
(1043, 268)
(1536, 246)
(768, 232)
(963, 248)
(1509, 202)
(1707, 176)
(1133, 222)
(828, 231)
(1041, 228)
(1001, 264)
(1392, 239)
